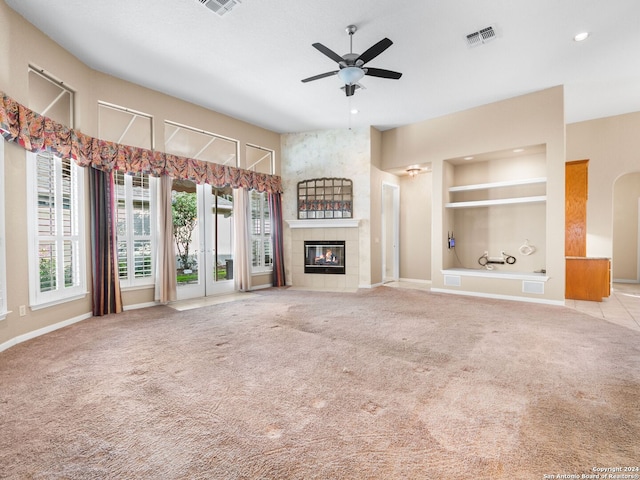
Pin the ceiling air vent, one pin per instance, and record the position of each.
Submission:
(220, 6)
(480, 37)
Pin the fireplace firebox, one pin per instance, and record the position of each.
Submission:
(324, 256)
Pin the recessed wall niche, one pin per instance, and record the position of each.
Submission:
(495, 207)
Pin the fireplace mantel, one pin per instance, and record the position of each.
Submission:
(325, 223)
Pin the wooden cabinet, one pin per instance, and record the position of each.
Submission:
(587, 278)
(575, 212)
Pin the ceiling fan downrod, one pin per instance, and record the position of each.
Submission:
(351, 29)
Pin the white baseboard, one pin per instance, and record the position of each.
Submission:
(415, 280)
(42, 331)
(140, 305)
(261, 287)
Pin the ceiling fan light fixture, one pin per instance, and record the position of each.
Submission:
(351, 75)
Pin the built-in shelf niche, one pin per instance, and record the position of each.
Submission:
(496, 203)
(501, 200)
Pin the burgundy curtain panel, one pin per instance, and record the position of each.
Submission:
(275, 209)
(104, 257)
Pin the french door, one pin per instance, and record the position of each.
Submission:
(203, 231)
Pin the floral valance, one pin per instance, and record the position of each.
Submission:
(37, 133)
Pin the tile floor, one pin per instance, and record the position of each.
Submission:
(621, 308)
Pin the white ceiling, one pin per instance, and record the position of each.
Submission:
(249, 63)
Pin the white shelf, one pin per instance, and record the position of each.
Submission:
(500, 201)
(507, 183)
(502, 274)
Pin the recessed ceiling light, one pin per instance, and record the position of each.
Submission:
(354, 111)
(468, 158)
(581, 36)
(518, 150)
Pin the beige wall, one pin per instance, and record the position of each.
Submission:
(612, 146)
(415, 227)
(22, 45)
(375, 206)
(626, 199)
(378, 178)
(534, 119)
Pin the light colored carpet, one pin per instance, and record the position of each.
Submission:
(385, 383)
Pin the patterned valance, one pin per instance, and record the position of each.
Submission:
(38, 133)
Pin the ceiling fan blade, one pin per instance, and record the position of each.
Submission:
(328, 52)
(380, 72)
(349, 90)
(318, 77)
(376, 50)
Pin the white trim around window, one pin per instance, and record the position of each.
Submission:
(56, 226)
(136, 227)
(260, 230)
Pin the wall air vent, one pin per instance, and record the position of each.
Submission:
(220, 6)
(481, 37)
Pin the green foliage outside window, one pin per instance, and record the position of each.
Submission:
(185, 219)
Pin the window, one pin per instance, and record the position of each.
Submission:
(123, 125)
(3, 258)
(198, 144)
(135, 196)
(135, 228)
(50, 97)
(55, 207)
(260, 160)
(262, 258)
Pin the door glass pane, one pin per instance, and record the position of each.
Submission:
(222, 215)
(185, 229)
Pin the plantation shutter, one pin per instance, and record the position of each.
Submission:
(58, 230)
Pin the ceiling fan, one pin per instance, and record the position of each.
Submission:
(351, 64)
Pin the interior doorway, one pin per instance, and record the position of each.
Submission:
(390, 232)
(203, 231)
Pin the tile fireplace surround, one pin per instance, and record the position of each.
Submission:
(325, 229)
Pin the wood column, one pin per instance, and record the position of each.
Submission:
(575, 213)
(586, 278)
